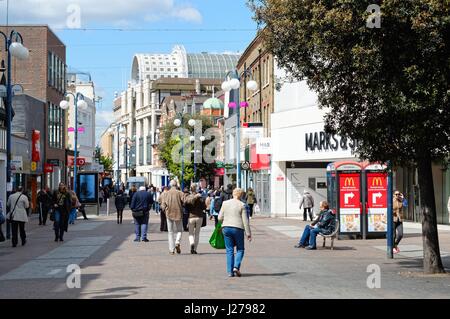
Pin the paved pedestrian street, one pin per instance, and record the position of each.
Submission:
(113, 266)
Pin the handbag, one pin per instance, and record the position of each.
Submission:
(205, 220)
(217, 240)
(138, 213)
(52, 215)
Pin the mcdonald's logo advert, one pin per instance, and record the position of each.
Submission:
(377, 190)
(350, 194)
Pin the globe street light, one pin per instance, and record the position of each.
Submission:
(13, 47)
(79, 102)
(235, 84)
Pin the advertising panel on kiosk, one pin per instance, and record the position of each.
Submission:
(87, 187)
(376, 198)
(349, 198)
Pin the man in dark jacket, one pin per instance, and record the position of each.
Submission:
(45, 201)
(227, 194)
(120, 203)
(142, 202)
(324, 224)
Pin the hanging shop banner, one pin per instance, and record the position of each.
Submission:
(264, 146)
(36, 147)
(349, 204)
(377, 200)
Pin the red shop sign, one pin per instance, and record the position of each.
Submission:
(48, 168)
(36, 146)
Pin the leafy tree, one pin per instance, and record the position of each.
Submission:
(107, 162)
(171, 144)
(386, 87)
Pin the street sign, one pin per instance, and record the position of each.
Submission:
(350, 199)
(245, 166)
(16, 163)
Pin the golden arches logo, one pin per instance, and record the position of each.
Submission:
(349, 181)
(377, 181)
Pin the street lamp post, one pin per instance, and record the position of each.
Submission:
(128, 142)
(235, 84)
(79, 102)
(179, 122)
(120, 130)
(14, 47)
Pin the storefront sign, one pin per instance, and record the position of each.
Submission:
(81, 161)
(48, 168)
(36, 146)
(253, 132)
(17, 163)
(53, 162)
(220, 171)
(321, 141)
(33, 166)
(280, 178)
(264, 145)
(349, 202)
(377, 197)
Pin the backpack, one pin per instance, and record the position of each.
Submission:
(217, 203)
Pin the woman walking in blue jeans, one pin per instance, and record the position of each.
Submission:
(235, 225)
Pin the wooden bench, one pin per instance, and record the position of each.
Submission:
(333, 236)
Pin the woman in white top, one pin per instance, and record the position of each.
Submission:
(235, 225)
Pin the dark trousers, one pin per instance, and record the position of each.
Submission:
(15, 227)
(58, 225)
(185, 222)
(163, 225)
(119, 216)
(251, 209)
(216, 220)
(309, 211)
(43, 214)
(398, 233)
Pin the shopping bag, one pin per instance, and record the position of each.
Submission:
(217, 241)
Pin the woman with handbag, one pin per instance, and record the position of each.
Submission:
(235, 223)
(18, 205)
(62, 206)
(44, 199)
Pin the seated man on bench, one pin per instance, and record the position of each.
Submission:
(324, 224)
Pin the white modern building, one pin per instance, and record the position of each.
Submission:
(301, 149)
(180, 64)
(86, 118)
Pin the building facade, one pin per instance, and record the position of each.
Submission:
(138, 113)
(42, 76)
(86, 122)
(255, 64)
(180, 64)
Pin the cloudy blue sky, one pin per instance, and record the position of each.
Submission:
(107, 52)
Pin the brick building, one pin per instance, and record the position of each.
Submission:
(42, 76)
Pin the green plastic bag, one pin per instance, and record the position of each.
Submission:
(217, 241)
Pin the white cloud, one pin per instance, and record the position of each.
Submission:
(58, 13)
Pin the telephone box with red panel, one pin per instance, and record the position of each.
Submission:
(345, 196)
(375, 199)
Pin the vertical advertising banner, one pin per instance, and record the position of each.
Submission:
(377, 199)
(349, 203)
(36, 146)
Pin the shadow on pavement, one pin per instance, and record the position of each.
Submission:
(418, 262)
(119, 292)
(337, 248)
(269, 275)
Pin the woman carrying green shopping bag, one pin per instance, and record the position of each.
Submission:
(235, 223)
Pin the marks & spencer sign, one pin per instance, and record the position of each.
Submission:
(321, 141)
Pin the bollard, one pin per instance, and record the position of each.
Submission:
(107, 207)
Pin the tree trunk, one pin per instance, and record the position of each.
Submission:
(432, 262)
